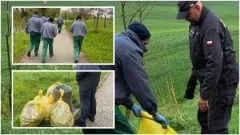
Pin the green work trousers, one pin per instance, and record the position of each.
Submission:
(47, 42)
(77, 44)
(34, 42)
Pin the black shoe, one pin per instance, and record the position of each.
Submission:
(92, 119)
(29, 54)
(36, 54)
(51, 55)
(43, 61)
(78, 123)
(76, 61)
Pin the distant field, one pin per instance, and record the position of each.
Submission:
(168, 64)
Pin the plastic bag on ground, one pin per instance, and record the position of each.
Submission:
(147, 125)
(32, 114)
(48, 108)
(61, 115)
(43, 100)
(51, 88)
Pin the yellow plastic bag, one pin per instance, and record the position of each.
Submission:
(51, 88)
(61, 115)
(42, 99)
(63, 27)
(32, 113)
(48, 108)
(149, 126)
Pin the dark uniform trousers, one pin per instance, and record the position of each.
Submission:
(88, 86)
(216, 119)
(59, 27)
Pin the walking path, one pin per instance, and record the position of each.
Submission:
(62, 49)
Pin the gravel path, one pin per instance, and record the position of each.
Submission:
(105, 108)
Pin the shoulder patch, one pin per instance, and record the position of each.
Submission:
(210, 43)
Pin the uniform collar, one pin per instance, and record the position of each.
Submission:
(135, 39)
(35, 15)
(205, 10)
(79, 20)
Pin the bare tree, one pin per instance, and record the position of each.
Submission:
(99, 12)
(141, 9)
(107, 12)
(7, 34)
(123, 4)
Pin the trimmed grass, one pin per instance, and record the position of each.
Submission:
(97, 46)
(27, 84)
(21, 43)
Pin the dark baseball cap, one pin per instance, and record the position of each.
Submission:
(183, 7)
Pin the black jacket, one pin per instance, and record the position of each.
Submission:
(88, 79)
(211, 52)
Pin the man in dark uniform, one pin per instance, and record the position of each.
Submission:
(214, 65)
(87, 82)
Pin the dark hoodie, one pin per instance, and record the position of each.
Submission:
(130, 76)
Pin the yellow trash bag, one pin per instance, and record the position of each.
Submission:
(51, 88)
(42, 99)
(149, 126)
(63, 27)
(61, 115)
(32, 114)
(48, 108)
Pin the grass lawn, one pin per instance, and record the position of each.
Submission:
(27, 84)
(21, 42)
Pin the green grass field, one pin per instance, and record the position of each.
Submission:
(167, 63)
(97, 46)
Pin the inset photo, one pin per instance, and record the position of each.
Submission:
(62, 35)
(63, 99)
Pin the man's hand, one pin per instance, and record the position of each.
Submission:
(203, 105)
(161, 119)
(136, 110)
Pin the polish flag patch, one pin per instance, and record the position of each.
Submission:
(210, 43)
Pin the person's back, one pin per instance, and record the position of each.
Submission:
(60, 20)
(34, 24)
(49, 30)
(124, 47)
(79, 28)
(44, 19)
